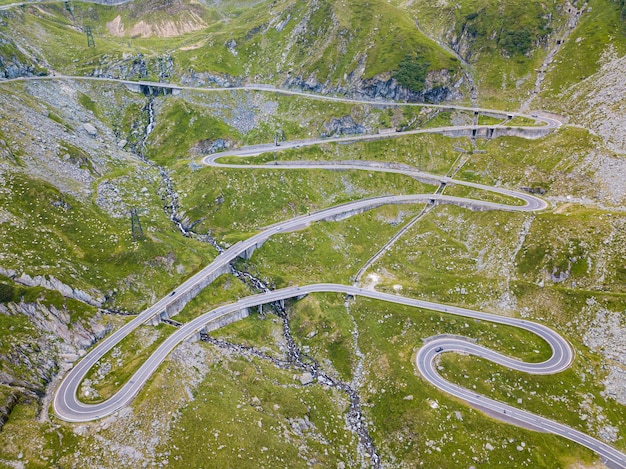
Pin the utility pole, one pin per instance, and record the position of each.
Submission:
(279, 137)
(90, 41)
(69, 7)
(136, 225)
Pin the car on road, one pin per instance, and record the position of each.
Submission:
(173, 293)
(439, 349)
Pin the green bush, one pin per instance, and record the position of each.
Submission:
(6, 293)
(412, 72)
(516, 42)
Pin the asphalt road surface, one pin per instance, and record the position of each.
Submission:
(68, 407)
(549, 122)
(532, 203)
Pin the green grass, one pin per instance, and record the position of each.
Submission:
(493, 38)
(255, 331)
(296, 116)
(452, 255)
(24, 434)
(385, 33)
(179, 126)
(85, 240)
(13, 55)
(225, 289)
(260, 436)
(87, 102)
(29, 355)
(560, 397)
(551, 163)
(390, 336)
(431, 153)
(77, 156)
(382, 30)
(75, 240)
(398, 402)
(20, 337)
(441, 119)
(522, 121)
(458, 190)
(443, 255)
(123, 361)
(222, 403)
(571, 242)
(242, 201)
(489, 120)
(326, 329)
(330, 251)
(15, 293)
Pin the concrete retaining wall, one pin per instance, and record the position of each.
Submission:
(493, 132)
(531, 133)
(226, 320)
(176, 306)
(247, 254)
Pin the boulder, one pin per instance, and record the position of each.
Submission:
(90, 129)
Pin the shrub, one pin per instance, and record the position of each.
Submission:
(6, 293)
(412, 72)
(516, 42)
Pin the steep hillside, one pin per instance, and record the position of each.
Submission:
(585, 80)
(350, 47)
(83, 163)
(69, 186)
(503, 43)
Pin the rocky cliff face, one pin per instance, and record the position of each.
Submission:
(14, 63)
(52, 283)
(440, 86)
(42, 340)
(343, 126)
(13, 68)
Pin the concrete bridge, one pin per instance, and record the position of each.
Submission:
(496, 131)
(152, 89)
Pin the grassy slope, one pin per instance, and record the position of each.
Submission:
(474, 252)
(342, 35)
(312, 254)
(601, 30)
(481, 29)
(55, 233)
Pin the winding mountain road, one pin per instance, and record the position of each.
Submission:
(66, 398)
(532, 203)
(68, 407)
(549, 122)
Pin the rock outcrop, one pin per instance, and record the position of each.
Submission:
(52, 283)
(343, 126)
(54, 340)
(14, 64)
(208, 147)
(439, 87)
